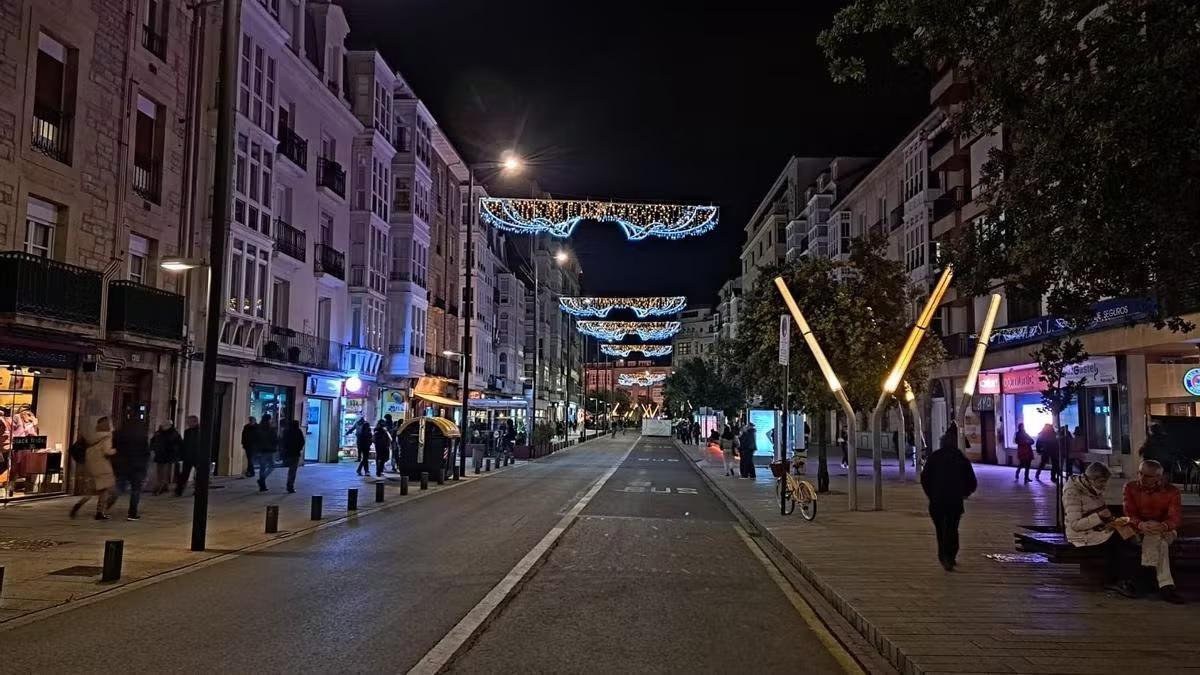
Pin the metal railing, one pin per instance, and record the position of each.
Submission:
(292, 146)
(330, 174)
(328, 260)
(290, 241)
(144, 310)
(147, 182)
(958, 345)
(48, 289)
(154, 42)
(896, 217)
(52, 133)
(285, 345)
(439, 365)
(949, 202)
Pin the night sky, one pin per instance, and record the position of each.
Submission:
(647, 100)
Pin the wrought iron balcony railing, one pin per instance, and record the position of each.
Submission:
(292, 146)
(154, 42)
(328, 260)
(285, 345)
(147, 181)
(331, 175)
(144, 310)
(47, 289)
(290, 241)
(52, 133)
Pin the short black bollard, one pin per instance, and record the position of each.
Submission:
(315, 512)
(1, 579)
(487, 464)
(352, 499)
(403, 484)
(476, 469)
(379, 492)
(272, 519)
(454, 472)
(114, 549)
(441, 476)
(424, 480)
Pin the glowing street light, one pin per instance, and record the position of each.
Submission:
(985, 335)
(835, 386)
(561, 257)
(177, 264)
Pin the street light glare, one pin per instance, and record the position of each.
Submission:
(178, 264)
(561, 257)
(512, 163)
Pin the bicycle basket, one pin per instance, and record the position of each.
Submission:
(778, 469)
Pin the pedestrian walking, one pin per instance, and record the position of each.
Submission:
(1047, 446)
(747, 445)
(948, 479)
(264, 451)
(97, 464)
(166, 446)
(190, 453)
(362, 440)
(727, 439)
(130, 462)
(249, 443)
(292, 450)
(1024, 443)
(383, 446)
(696, 433)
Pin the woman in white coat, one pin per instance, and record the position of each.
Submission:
(98, 466)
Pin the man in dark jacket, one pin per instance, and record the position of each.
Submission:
(362, 440)
(947, 479)
(249, 440)
(166, 445)
(1048, 447)
(130, 463)
(264, 451)
(292, 449)
(191, 453)
(747, 444)
(383, 448)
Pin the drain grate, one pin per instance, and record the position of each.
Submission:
(28, 544)
(78, 571)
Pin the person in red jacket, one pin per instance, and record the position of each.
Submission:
(1155, 509)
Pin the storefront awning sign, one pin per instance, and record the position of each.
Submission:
(440, 400)
(1191, 381)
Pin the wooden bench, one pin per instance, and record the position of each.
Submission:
(1185, 552)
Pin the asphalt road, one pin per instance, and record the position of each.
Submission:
(653, 578)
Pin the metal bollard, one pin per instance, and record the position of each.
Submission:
(487, 464)
(272, 519)
(1, 579)
(352, 499)
(114, 549)
(441, 476)
(454, 473)
(315, 511)
(403, 484)
(476, 469)
(424, 480)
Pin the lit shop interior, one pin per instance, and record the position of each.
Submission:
(35, 418)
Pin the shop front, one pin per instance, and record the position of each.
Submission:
(356, 406)
(435, 397)
(36, 404)
(319, 421)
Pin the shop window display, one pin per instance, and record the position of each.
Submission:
(34, 421)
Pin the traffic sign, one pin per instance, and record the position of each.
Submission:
(785, 339)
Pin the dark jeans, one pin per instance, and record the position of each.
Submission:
(249, 462)
(1053, 461)
(747, 465)
(132, 483)
(364, 460)
(185, 472)
(266, 464)
(946, 518)
(292, 465)
(1026, 464)
(381, 458)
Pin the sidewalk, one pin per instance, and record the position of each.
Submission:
(999, 612)
(39, 544)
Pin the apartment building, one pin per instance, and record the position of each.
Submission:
(725, 319)
(558, 343)
(94, 144)
(697, 336)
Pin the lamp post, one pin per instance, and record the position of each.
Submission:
(894, 377)
(985, 335)
(835, 387)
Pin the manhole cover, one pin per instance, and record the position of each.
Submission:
(78, 571)
(28, 544)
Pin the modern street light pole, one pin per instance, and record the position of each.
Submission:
(230, 32)
(468, 305)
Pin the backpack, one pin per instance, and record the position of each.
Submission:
(78, 451)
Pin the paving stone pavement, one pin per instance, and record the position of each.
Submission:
(37, 538)
(999, 612)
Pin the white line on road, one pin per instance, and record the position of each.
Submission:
(476, 619)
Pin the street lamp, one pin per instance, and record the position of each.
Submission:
(560, 257)
(981, 343)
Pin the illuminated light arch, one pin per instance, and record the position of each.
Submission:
(611, 331)
(641, 306)
(649, 351)
(560, 217)
(646, 379)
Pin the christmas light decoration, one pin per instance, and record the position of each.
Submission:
(643, 379)
(649, 351)
(559, 217)
(643, 307)
(611, 331)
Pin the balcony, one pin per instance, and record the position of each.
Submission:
(35, 288)
(946, 152)
(405, 275)
(438, 365)
(958, 345)
(284, 345)
(144, 311)
(290, 241)
(947, 205)
(440, 303)
(154, 42)
(895, 218)
(147, 181)
(331, 175)
(52, 134)
(295, 148)
(328, 260)
(951, 86)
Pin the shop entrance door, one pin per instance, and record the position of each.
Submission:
(131, 397)
(316, 430)
(222, 400)
(987, 437)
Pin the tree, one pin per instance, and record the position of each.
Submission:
(696, 383)
(1093, 191)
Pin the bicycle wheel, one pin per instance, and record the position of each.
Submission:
(807, 496)
(787, 501)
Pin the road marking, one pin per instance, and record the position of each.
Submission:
(476, 620)
(831, 644)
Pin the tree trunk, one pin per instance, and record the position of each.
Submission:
(822, 452)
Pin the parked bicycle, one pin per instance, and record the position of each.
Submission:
(792, 490)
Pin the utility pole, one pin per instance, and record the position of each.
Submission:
(223, 160)
(533, 381)
(468, 310)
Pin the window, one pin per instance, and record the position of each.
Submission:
(402, 196)
(154, 28)
(147, 150)
(248, 275)
(272, 6)
(326, 229)
(252, 185)
(383, 111)
(380, 180)
(41, 221)
(324, 317)
(281, 294)
(139, 259)
(51, 131)
(256, 89)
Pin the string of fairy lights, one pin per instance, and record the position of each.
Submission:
(649, 351)
(611, 331)
(642, 379)
(560, 217)
(642, 306)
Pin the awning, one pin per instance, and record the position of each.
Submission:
(440, 400)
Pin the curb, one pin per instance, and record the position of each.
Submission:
(876, 638)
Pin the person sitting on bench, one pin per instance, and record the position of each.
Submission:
(1090, 523)
(1155, 509)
